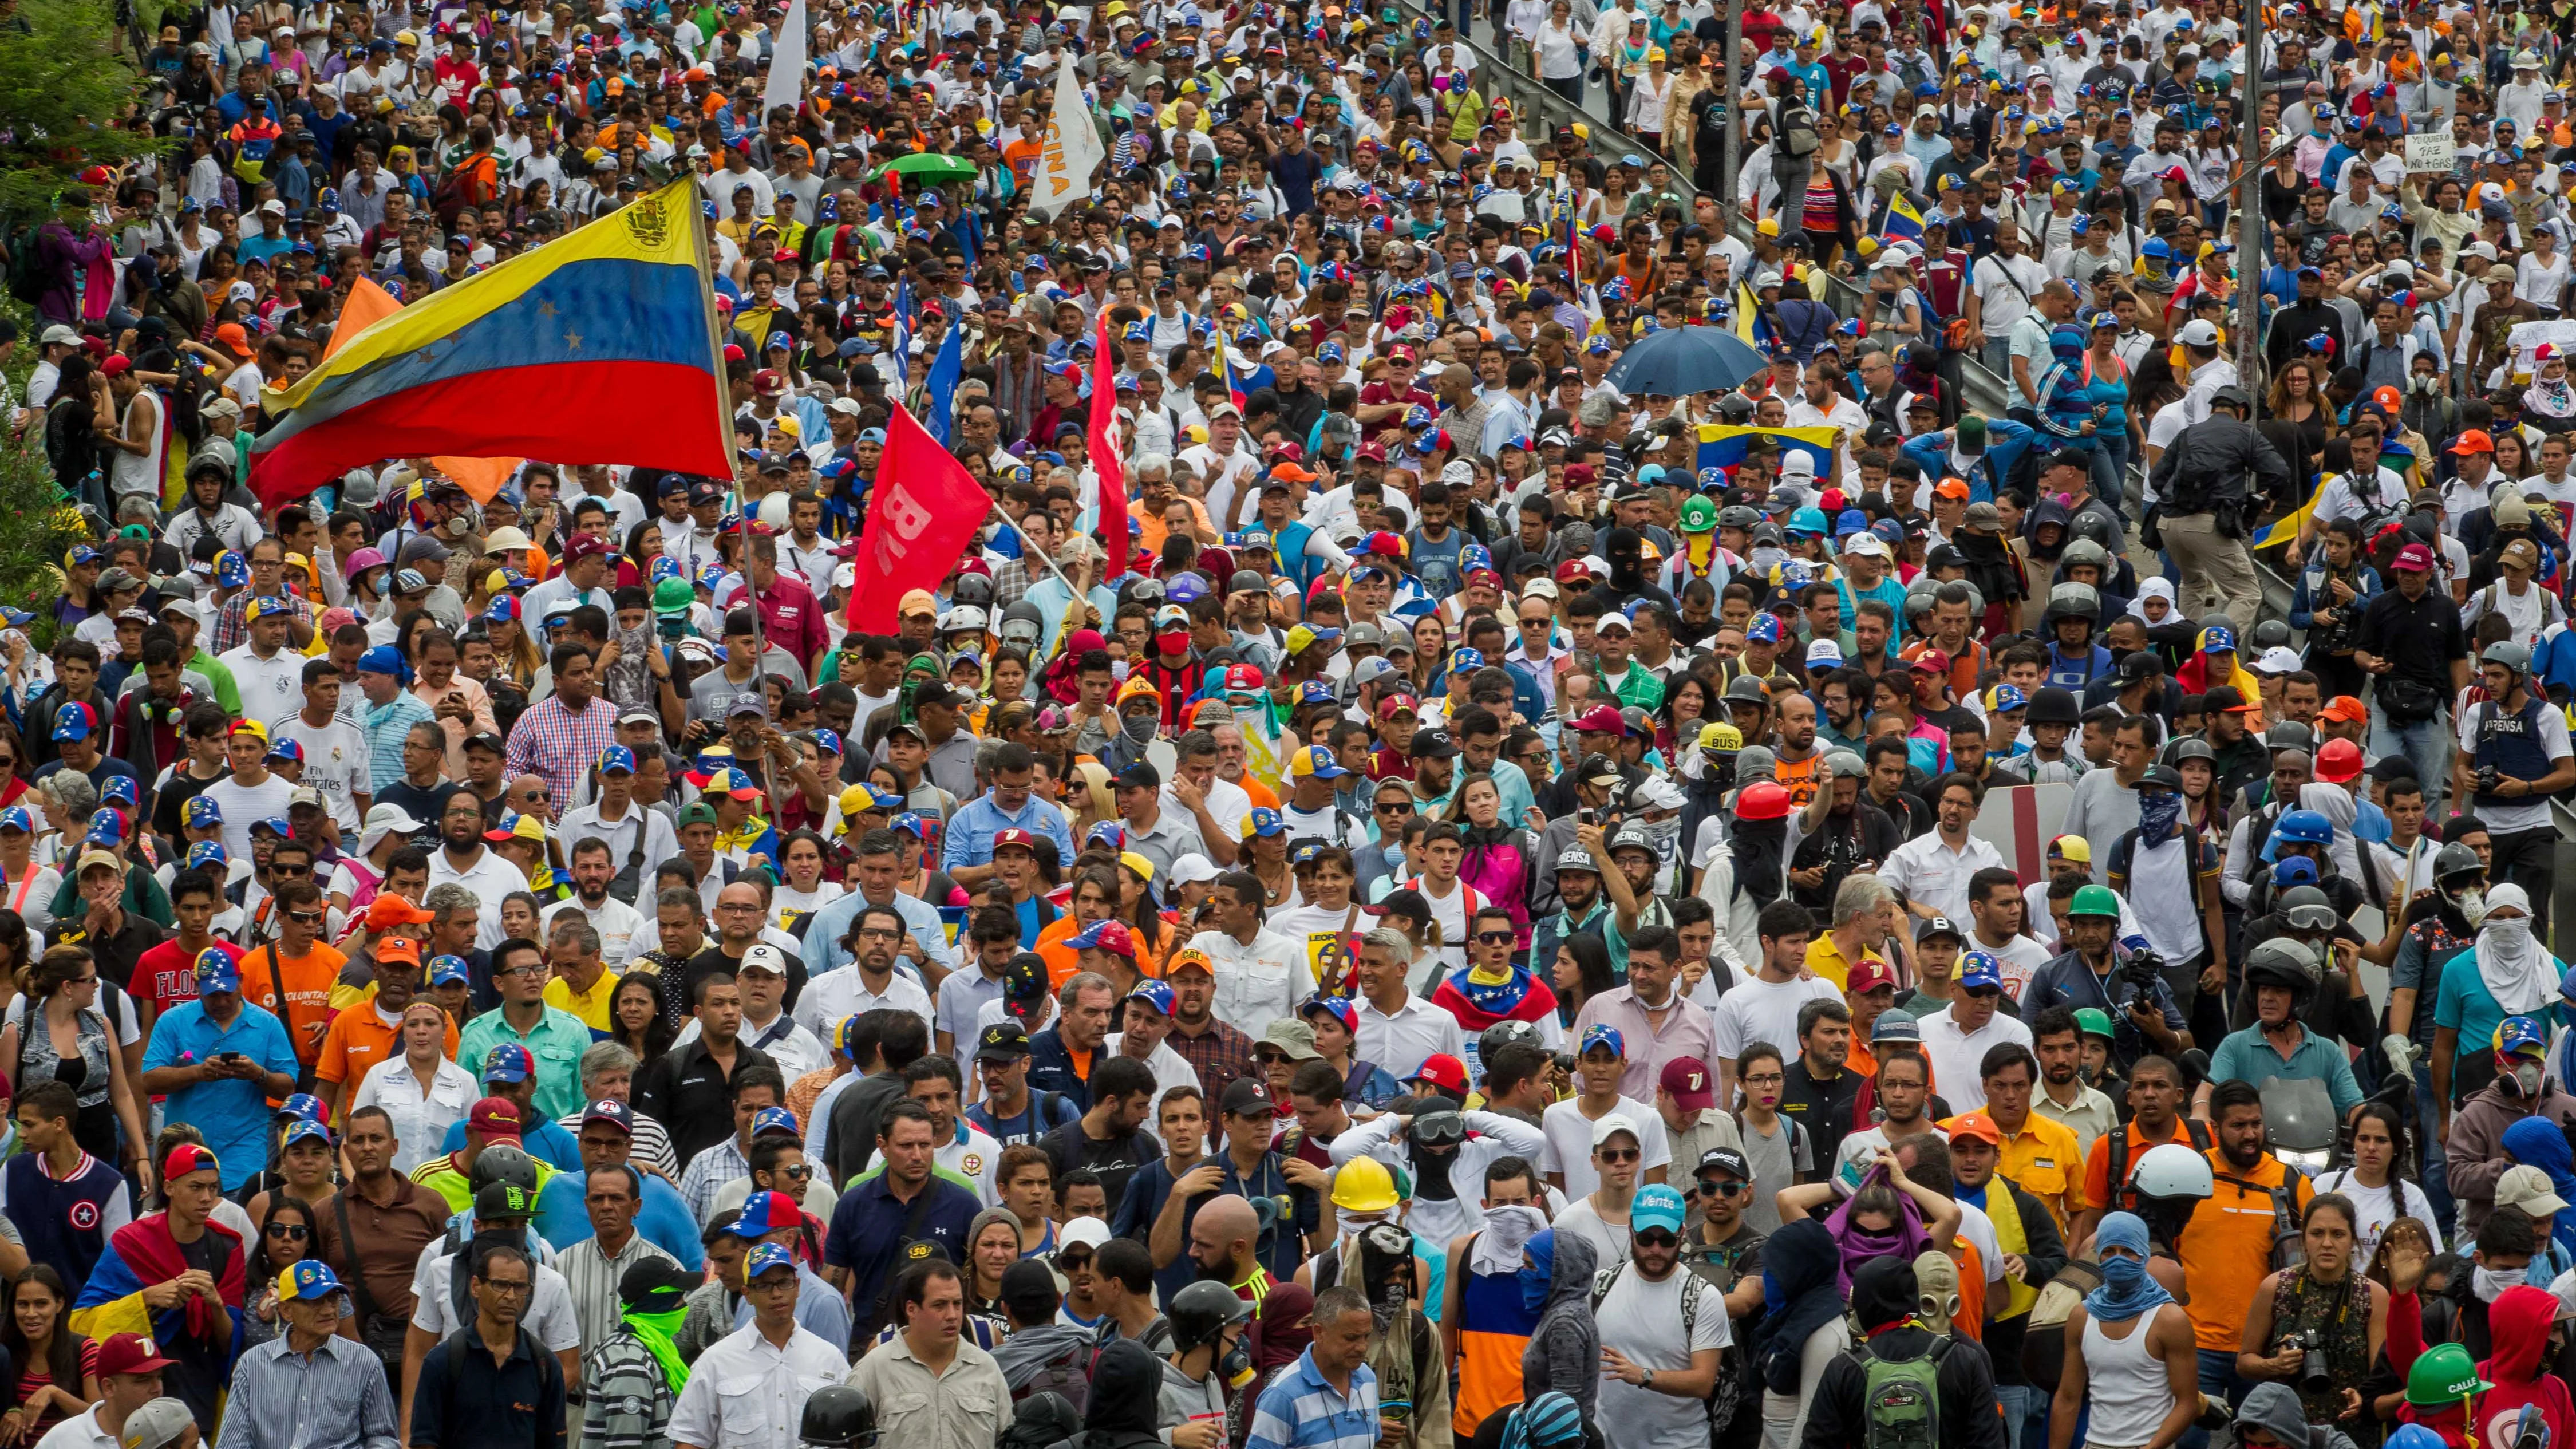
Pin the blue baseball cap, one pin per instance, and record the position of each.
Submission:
(617, 759)
(200, 855)
(119, 788)
(73, 722)
(1764, 629)
(1154, 993)
(448, 971)
(2218, 638)
(615, 1113)
(382, 659)
(1656, 1206)
(765, 1258)
(303, 1106)
(1979, 970)
(302, 1130)
(909, 820)
(232, 571)
(216, 973)
(508, 1062)
(275, 824)
(287, 750)
(311, 1277)
(1264, 822)
(2519, 1034)
(19, 817)
(106, 827)
(775, 1119)
(1464, 661)
(2294, 870)
(1603, 1035)
(1316, 761)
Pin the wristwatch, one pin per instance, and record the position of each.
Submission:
(1648, 1381)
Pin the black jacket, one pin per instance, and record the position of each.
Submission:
(2217, 453)
(1838, 1417)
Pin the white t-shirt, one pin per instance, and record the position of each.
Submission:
(2530, 812)
(1569, 1143)
(335, 763)
(2379, 1206)
(1643, 1321)
(247, 805)
(1757, 1010)
(272, 689)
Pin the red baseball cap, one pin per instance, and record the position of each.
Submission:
(1443, 1071)
(1932, 661)
(130, 1353)
(1025, 840)
(1869, 974)
(1693, 1085)
(2414, 558)
(495, 1117)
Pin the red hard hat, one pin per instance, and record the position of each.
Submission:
(1762, 800)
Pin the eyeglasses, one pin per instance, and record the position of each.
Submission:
(527, 971)
(290, 1232)
(877, 933)
(1494, 938)
(498, 1285)
(1618, 1154)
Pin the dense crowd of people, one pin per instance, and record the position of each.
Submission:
(1517, 897)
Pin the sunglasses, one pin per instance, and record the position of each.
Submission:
(1492, 938)
(1071, 1261)
(290, 870)
(290, 1232)
(800, 1172)
(1657, 1238)
(1719, 1189)
(1618, 1154)
(305, 918)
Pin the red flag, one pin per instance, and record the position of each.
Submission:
(924, 511)
(1103, 441)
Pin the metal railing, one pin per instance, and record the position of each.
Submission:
(1538, 111)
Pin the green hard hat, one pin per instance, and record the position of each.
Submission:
(1699, 515)
(2094, 900)
(673, 596)
(2444, 1375)
(2093, 1020)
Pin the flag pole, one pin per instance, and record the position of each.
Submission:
(1026, 553)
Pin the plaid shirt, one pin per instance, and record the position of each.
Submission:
(387, 726)
(628, 1397)
(232, 630)
(1013, 580)
(1219, 1055)
(708, 1171)
(560, 745)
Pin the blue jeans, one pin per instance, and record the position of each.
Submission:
(2025, 1416)
(2115, 448)
(2436, 1177)
(2106, 478)
(2217, 1376)
(2429, 744)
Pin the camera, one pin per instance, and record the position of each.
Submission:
(2140, 973)
(2313, 1377)
(2490, 779)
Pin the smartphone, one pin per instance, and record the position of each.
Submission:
(1586, 815)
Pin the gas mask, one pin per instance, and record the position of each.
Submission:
(2425, 385)
(2472, 904)
(1235, 1365)
(1936, 1280)
(2519, 1076)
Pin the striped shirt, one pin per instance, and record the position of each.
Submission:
(335, 1395)
(592, 1275)
(628, 1397)
(560, 745)
(709, 1170)
(1299, 1410)
(386, 727)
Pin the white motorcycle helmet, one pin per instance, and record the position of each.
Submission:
(2172, 1172)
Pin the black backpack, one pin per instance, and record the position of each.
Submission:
(1068, 1374)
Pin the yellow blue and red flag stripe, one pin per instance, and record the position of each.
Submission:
(1903, 221)
(1723, 446)
(2286, 527)
(600, 347)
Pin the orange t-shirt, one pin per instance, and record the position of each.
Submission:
(2097, 1163)
(359, 1038)
(306, 981)
(1064, 962)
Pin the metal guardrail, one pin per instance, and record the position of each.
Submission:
(1539, 111)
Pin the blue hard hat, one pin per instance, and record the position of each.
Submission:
(1809, 520)
(1186, 589)
(2304, 827)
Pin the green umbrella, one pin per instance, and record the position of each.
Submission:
(930, 166)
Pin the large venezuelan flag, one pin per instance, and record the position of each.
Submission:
(2286, 527)
(1722, 446)
(600, 347)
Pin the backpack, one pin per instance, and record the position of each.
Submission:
(1724, 1393)
(1901, 1399)
(1068, 1373)
(2116, 1162)
(1798, 130)
(26, 273)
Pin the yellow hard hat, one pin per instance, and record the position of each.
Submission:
(1363, 1185)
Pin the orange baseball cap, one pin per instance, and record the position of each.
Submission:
(1974, 1124)
(2345, 709)
(2474, 440)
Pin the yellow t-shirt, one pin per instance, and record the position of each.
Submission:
(592, 1008)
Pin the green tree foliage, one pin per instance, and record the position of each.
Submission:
(67, 86)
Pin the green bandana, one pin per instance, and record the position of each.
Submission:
(654, 1331)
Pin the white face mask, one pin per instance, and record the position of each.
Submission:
(2510, 932)
(2473, 907)
(2490, 1283)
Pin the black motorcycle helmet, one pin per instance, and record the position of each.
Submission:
(502, 1162)
(2051, 704)
(1201, 1313)
(839, 1417)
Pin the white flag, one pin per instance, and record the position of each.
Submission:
(1072, 147)
(786, 62)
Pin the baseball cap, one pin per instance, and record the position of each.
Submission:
(495, 1117)
(612, 1112)
(1693, 1086)
(132, 1353)
(508, 1062)
(1724, 1159)
(1154, 993)
(1611, 1125)
(2527, 1187)
(764, 1213)
(1005, 1041)
(1978, 970)
(309, 1279)
(1443, 1071)
(1656, 1206)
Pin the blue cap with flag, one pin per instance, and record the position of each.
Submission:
(767, 1258)
(2519, 1034)
(216, 972)
(1979, 970)
(309, 1279)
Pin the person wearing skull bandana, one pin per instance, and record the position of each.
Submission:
(1628, 582)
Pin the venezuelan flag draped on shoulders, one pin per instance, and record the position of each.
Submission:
(599, 347)
(144, 1253)
(1723, 445)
